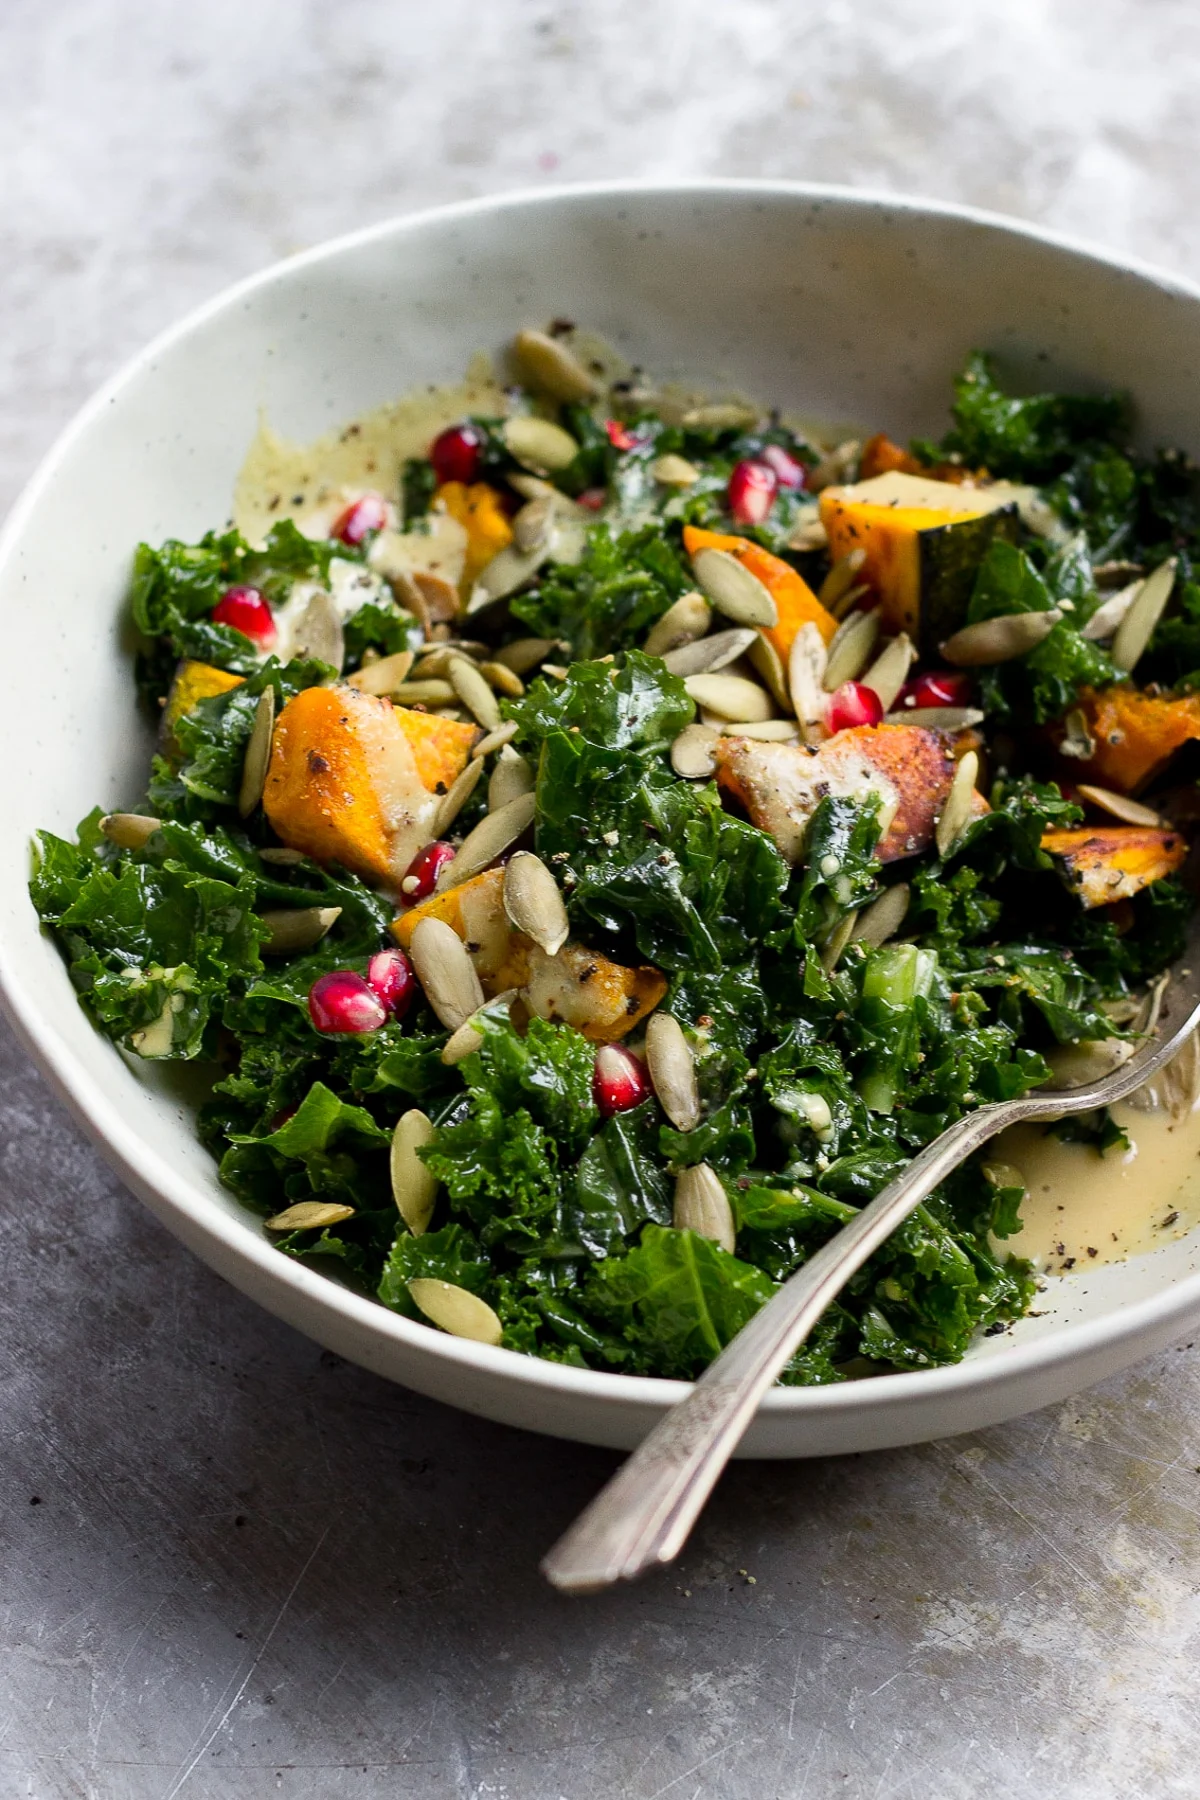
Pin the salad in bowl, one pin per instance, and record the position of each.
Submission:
(599, 831)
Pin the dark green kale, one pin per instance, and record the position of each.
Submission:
(1040, 686)
(609, 599)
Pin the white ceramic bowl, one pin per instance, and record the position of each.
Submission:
(843, 305)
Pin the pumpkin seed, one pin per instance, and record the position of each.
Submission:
(817, 1114)
(850, 651)
(456, 796)
(546, 365)
(838, 464)
(713, 652)
(508, 570)
(297, 928)
(889, 672)
(673, 1071)
(733, 590)
(702, 1206)
(808, 533)
(1120, 806)
(692, 752)
(841, 577)
(720, 415)
(533, 903)
(381, 676)
(320, 634)
(445, 971)
(467, 1039)
(434, 665)
(511, 777)
(539, 445)
(836, 942)
(1076, 1065)
(1000, 639)
(414, 1185)
(766, 661)
(456, 1310)
(1004, 1175)
(257, 759)
(524, 654)
(474, 692)
(496, 740)
(1137, 627)
(731, 697)
(490, 839)
(283, 856)
(957, 807)
(674, 471)
(1116, 574)
(937, 718)
(423, 693)
(498, 676)
(556, 671)
(129, 831)
(781, 731)
(1109, 614)
(806, 670)
(532, 525)
(307, 1215)
(849, 600)
(689, 618)
(884, 917)
(1077, 737)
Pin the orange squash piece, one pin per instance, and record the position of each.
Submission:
(192, 682)
(781, 785)
(441, 747)
(580, 987)
(797, 603)
(1136, 734)
(480, 509)
(343, 786)
(880, 454)
(1113, 862)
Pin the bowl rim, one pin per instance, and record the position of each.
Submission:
(159, 1184)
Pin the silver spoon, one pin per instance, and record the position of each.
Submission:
(647, 1510)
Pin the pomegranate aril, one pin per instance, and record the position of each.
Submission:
(246, 609)
(592, 498)
(751, 492)
(420, 878)
(853, 704)
(343, 1002)
(940, 687)
(360, 518)
(787, 471)
(619, 1080)
(390, 974)
(619, 436)
(457, 453)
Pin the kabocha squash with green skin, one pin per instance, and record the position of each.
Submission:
(924, 541)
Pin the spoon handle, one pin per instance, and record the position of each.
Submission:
(644, 1514)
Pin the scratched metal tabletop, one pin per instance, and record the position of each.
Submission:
(234, 1566)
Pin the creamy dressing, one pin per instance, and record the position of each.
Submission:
(310, 483)
(1082, 1208)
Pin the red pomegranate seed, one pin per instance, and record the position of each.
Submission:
(853, 704)
(420, 878)
(787, 471)
(940, 687)
(457, 453)
(360, 518)
(246, 609)
(751, 492)
(389, 973)
(619, 1080)
(619, 436)
(592, 498)
(342, 1002)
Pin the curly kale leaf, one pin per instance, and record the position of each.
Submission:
(609, 599)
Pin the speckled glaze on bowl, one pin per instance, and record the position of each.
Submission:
(842, 305)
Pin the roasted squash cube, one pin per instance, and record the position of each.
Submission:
(1113, 862)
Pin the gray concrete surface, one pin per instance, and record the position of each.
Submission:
(234, 1567)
